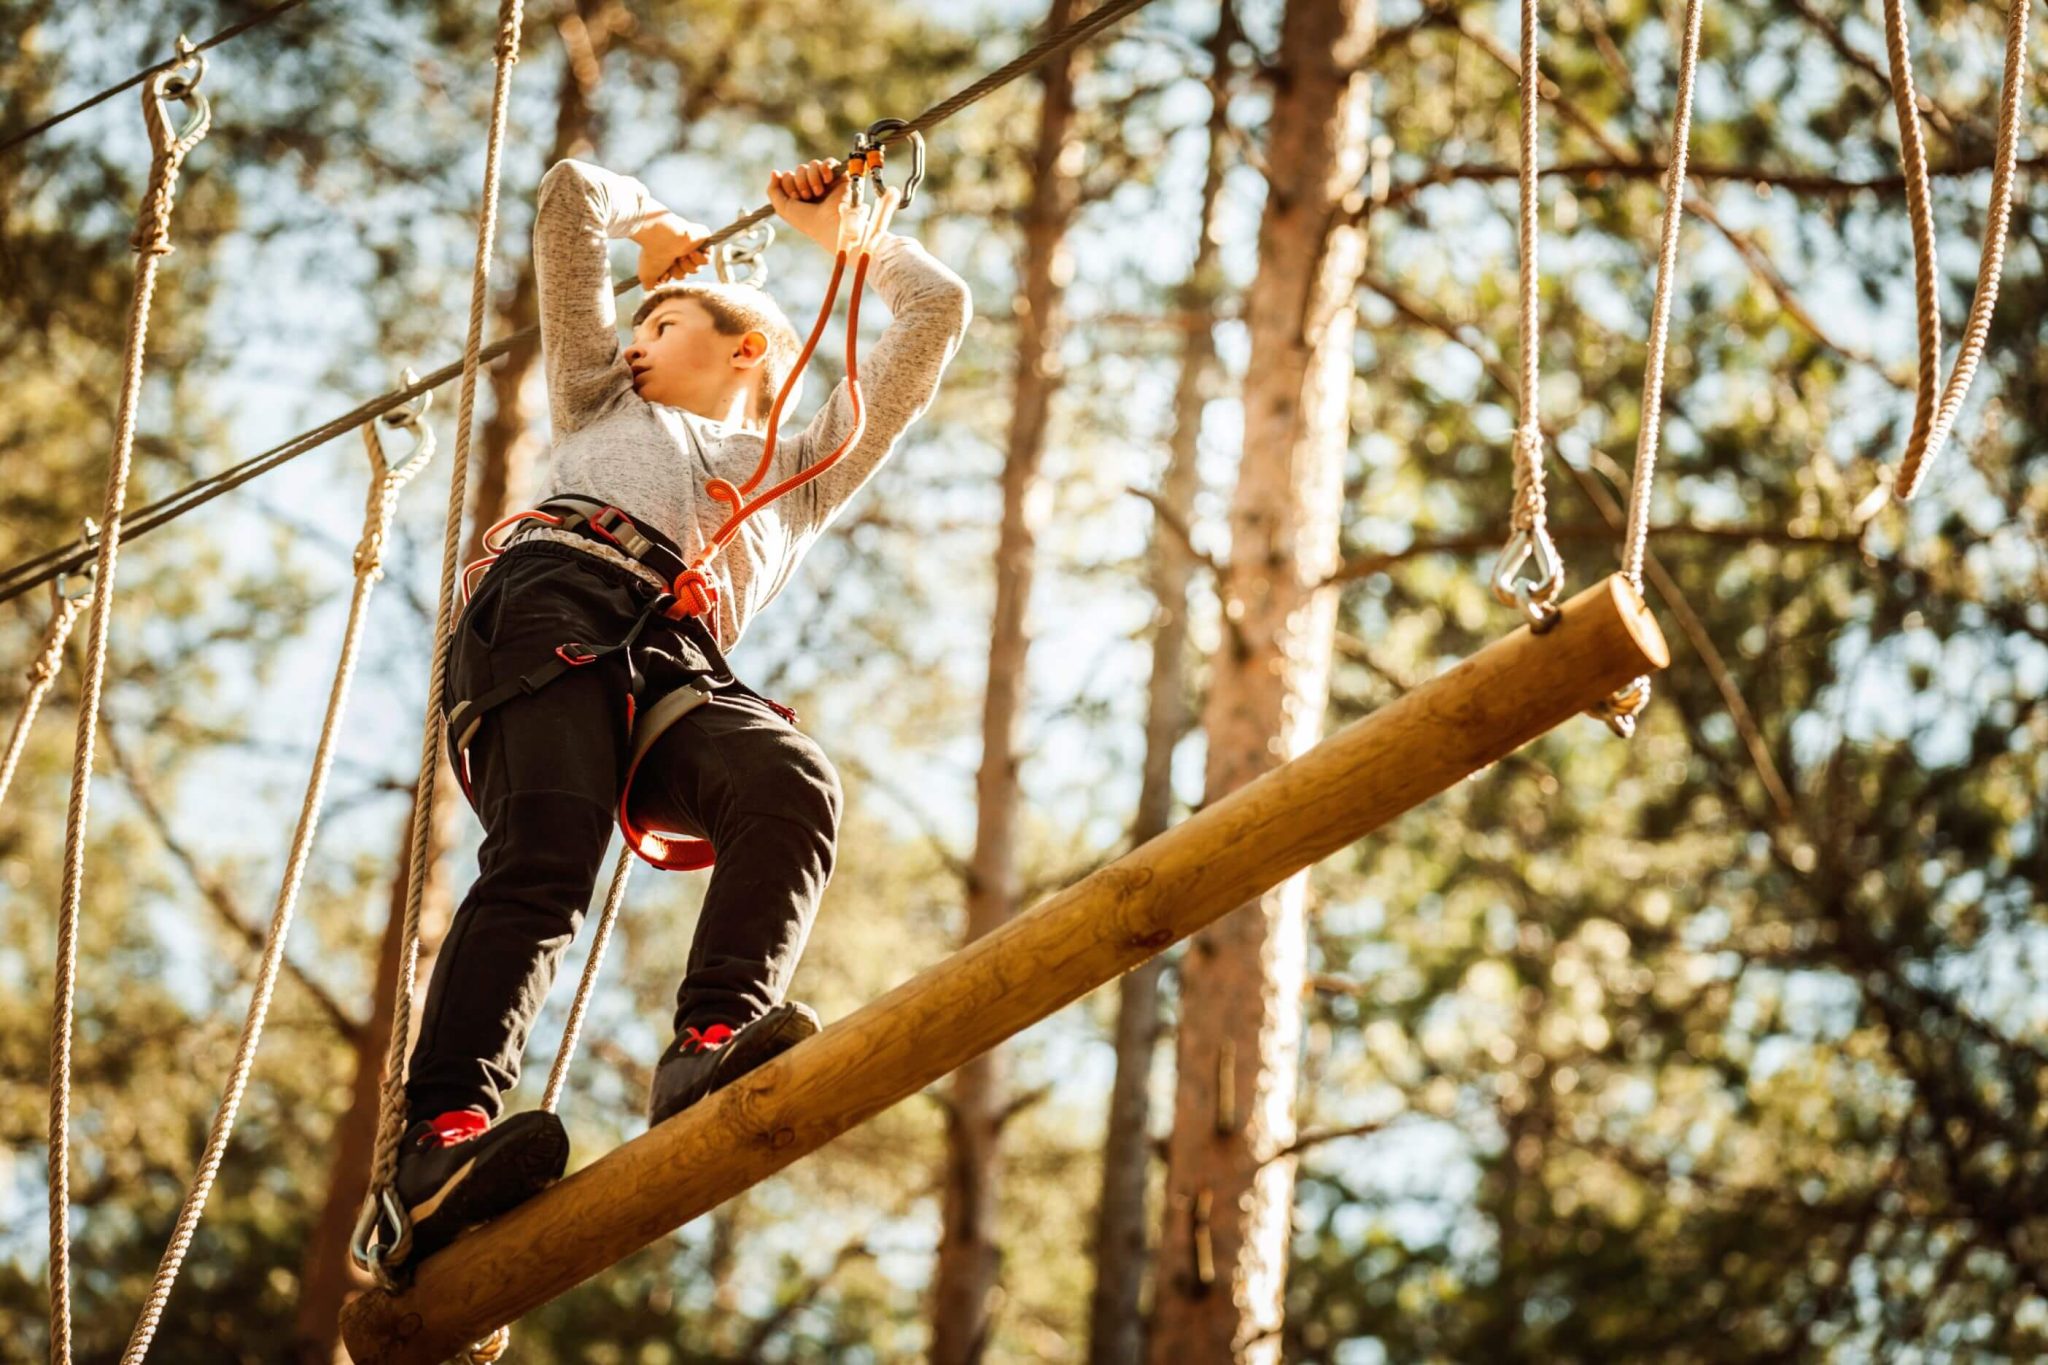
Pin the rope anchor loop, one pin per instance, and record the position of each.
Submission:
(383, 1235)
(180, 82)
(866, 161)
(405, 417)
(1536, 600)
(89, 543)
(1620, 710)
(744, 250)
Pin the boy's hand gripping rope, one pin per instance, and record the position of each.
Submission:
(861, 226)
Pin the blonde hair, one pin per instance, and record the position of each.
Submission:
(735, 310)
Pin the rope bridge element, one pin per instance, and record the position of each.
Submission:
(1046, 958)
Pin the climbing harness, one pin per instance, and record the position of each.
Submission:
(386, 482)
(169, 144)
(690, 595)
(1934, 421)
(1529, 536)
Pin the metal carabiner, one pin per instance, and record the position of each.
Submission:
(405, 417)
(1620, 710)
(180, 81)
(91, 539)
(872, 139)
(370, 1253)
(746, 249)
(1537, 601)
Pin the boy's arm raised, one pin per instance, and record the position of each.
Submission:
(930, 308)
(580, 208)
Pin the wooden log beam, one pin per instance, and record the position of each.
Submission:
(1350, 784)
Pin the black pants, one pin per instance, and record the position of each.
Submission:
(545, 770)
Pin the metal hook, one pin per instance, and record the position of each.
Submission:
(1620, 710)
(91, 539)
(1537, 600)
(405, 417)
(368, 1251)
(746, 249)
(180, 81)
(883, 130)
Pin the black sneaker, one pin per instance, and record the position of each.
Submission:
(701, 1061)
(454, 1172)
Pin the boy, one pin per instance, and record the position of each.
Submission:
(641, 429)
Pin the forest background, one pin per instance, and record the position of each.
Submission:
(1724, 1043)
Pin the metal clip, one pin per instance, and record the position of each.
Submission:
(744, 249)
(369, 1248)
(90, 538)
(405, 417)
(870, 143)
(1537, 601)
(180, 81)
(1620, 710)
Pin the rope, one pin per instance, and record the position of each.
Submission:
(42, 672)
(558, 1075)
(385, 485)
(255, 20)
(20, 578)
(1529, 517)
(152, 242)
(391, 1116)
(1621, 709)
(1932, 421)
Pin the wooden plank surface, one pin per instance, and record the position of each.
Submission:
(1044, 959)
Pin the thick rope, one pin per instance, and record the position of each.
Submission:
(19, 578)
(558, 1075)
(391, 1117)
(385, 485)
(1529, 516)
(1933, 421)
(152, 242)
(42, 672)
(1624, 706)
(1530, 506)
(256, 20)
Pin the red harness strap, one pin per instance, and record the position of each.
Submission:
(690, 590)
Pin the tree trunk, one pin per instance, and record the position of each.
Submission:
(500, 480)
(1116, 1328)
(969, 1260)
(1230, 1183)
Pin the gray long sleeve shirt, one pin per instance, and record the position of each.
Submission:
(653, 460)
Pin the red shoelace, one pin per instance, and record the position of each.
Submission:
(708, 1040)
(458, 1125)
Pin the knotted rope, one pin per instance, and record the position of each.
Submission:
(385, 485)
(1529, 518)
(1932, 421)
(42, 673)
(169, 146)
(383, 1217)
(1621, 709)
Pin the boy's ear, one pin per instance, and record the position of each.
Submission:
(751, 350)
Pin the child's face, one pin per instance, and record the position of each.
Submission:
(680, 358)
